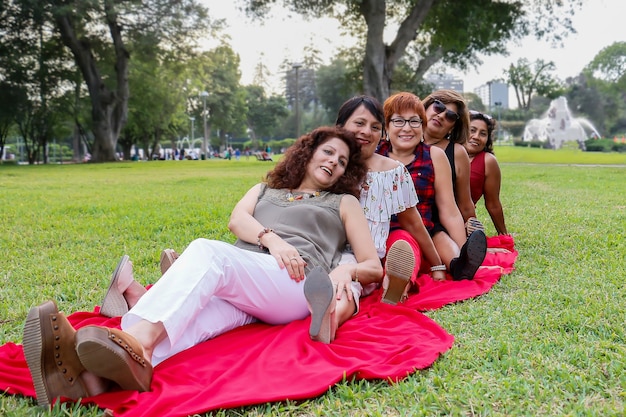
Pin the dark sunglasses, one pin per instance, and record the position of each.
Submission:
(478, 115)
(450, 115)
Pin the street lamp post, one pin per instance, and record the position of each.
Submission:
(203, 152)
(498, 105)
(192, 132)
(296, 66)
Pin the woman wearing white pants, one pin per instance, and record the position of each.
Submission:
(291, 231)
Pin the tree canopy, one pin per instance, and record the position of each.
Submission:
(100, 36)
(454, 32)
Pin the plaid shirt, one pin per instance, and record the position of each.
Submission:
(423, 174)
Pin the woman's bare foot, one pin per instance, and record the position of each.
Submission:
(133, 293)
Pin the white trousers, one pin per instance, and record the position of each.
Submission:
(214, 287)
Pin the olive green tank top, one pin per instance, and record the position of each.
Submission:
(312, 225)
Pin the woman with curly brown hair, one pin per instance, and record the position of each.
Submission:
(291, 231)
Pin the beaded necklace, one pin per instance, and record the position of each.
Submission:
(291, 197)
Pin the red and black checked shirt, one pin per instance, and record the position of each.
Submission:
(423, 174)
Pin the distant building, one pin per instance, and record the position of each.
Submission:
(494, 94)
(445, 81)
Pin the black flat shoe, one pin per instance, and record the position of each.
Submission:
(472, 256)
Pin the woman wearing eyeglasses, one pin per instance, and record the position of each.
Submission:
(405, 119)
(485, 177)
(448, 126)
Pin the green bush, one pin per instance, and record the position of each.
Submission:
(604, 145)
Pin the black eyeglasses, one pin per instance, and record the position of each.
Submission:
(476, 114)
(450, 115)
(400, 122)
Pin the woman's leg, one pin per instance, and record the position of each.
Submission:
(216, 318)
(185, 300)
(446, 247)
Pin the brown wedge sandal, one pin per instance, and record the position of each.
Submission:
(52, 360)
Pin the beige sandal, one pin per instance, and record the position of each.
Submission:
(114, 304)
(168, 257)
(399, 266)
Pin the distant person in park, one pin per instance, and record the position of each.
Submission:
(485, 177)
(404, 116)
(447, 128)
(291, 232)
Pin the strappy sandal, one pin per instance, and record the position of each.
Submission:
(472, 225)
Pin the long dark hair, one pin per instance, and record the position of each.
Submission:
(491, 124)
(290, 171)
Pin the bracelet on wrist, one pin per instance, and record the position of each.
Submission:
(441, 267)
(261, 233)
(355, 278)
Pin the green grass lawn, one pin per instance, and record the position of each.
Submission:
(549, 339)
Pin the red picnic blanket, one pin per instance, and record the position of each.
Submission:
(259, 363)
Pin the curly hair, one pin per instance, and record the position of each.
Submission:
(404, 101)
(290, 171)
(491, 125)
(460, 132)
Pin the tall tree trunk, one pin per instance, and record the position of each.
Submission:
(375, 77)
(109, 108)
(381, 60)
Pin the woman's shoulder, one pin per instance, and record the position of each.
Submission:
(491, 163)
(490, 157)
(383, 163)
(460, 151)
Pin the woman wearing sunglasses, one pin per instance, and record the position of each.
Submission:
(447, 128)
(485, 177)
(405, 121)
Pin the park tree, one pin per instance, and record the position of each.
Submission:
(527, 80)
(609, 66)
(263, 113)
(8, 112)
(217, 72)
(452, 31)
(262, 74)
(156, 105)
(98, 34)
(600, 90)
(334, 85)
(35, 68)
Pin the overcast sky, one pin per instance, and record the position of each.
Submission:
(282, 35)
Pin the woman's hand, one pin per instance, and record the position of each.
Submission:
(287, 256)
(341, 277)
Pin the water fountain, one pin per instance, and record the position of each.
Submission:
(558, 126)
